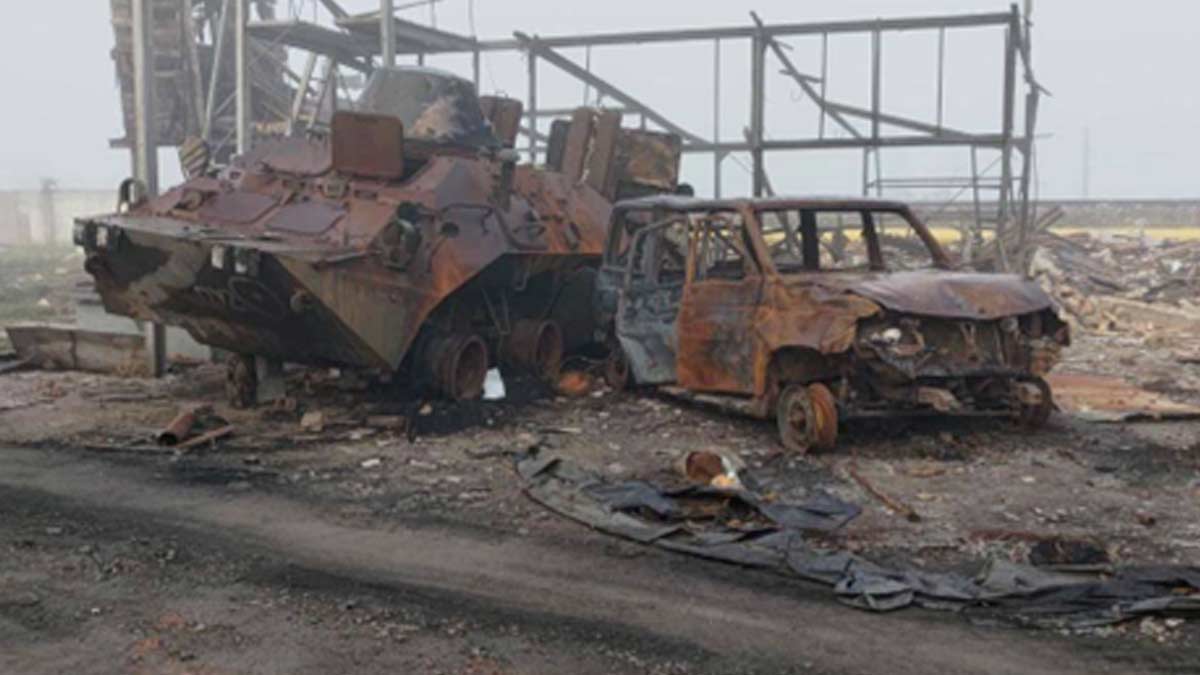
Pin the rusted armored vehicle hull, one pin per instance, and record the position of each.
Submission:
(431, 256)
(764, 306)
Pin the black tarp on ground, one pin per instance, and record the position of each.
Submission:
(745, 529)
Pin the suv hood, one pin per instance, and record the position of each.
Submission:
(954, 295)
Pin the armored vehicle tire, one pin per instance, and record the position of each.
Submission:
(460, 366)
(1034, 415)
(535, 346)
(807, 418)
(616, 369)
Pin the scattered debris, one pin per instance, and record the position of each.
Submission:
(493, 386)
(1146, 519)
(372, 463)
(177, 429)
(25, 599)
(391, 422)
(15, 365)
(712, 468)
(575, 383)
(1113, 399)
(1086, 273)
(897, 507)
(206, 438)
(744, 529)
(1064, 552)
(313, 422)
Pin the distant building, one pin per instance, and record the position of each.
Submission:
(15, 229)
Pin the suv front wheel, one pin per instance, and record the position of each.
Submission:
(807, 418)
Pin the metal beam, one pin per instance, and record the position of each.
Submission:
(193, 56)
(335, 9)
(767, 187)
(351, 49)
(214, 78)
(718, 158)
(245, 112)
(534, 135)
(567, 112)
(387, 32)
(805, 81)
(532, 103)
(302, 90)
(411, 38)
(145, 139)
(145, 147)
(896, 120)
(876, 81)
(758, 99)
(535, 47)
(1009, 116)
(748, 32)
(981, 140)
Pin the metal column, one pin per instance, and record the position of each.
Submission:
(475, 70)
(220, 31)
(387, 32)
(1004, 214)
(245, 113)
(145, 147)
(533, 109)
(758, 76)
(718, 156)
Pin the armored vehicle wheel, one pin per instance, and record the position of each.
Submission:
(536, 346)
(616, 369)
(241, 381)
(460, 365)
(807, 418)
(1035, 402)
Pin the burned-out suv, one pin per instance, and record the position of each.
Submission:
(815, 310)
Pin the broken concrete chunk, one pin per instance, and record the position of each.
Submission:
(313, 421)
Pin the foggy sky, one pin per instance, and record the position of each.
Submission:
(1124, 71)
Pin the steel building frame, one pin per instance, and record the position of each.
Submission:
(360, 41)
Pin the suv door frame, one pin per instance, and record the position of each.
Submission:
(720, 349)
(646, 319)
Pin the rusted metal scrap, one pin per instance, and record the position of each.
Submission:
(408, 242)
(177, 429)
(892, 503)
(770, 306)
(206, 438)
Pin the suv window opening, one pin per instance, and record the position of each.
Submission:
(830, 240)
(721, 253)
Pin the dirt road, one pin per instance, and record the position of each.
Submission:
(213, 580)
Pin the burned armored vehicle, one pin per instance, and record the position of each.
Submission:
(406, 240)
(815, 311)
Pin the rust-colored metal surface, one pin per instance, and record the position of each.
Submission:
(746, 297)
(504, 114)
(1113, 399)
(407, 242)
(367, 145)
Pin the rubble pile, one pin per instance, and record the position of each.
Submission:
(1133, 303)
(1121, 283)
